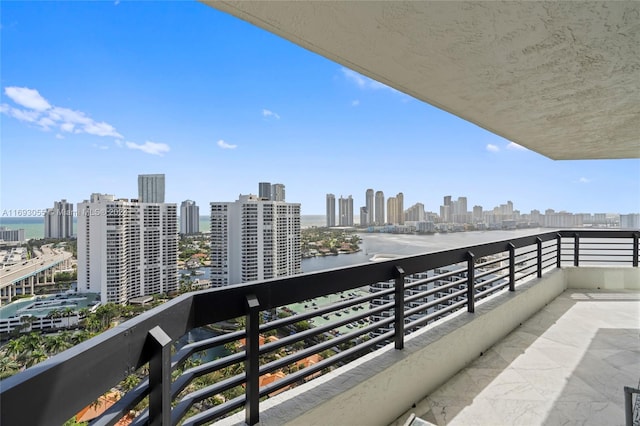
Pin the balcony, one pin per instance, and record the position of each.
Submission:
(578, 289)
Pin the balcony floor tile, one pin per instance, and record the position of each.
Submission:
(567, 364)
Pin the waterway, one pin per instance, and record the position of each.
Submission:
(409, 244)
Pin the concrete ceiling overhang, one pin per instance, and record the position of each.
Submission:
(560, 78)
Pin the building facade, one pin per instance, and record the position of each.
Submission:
(254, 239)
(331, 210)
(379, 208)
(12, 235)
(58, 221)
(345, 211)
(189, 218)
(151, 188)
(369, 204)
(126, 249)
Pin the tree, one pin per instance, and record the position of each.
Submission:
(35, 357)
(55, 344)
(8, 367)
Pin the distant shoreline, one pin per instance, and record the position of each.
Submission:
(34, 226)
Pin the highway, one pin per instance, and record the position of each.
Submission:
(47, 259)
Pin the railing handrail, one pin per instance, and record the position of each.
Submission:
(77, 377)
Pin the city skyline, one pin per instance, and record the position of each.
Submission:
(94, 94)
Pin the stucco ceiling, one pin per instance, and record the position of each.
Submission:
(560, 78)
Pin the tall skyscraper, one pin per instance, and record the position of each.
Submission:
(345, 211)
(392, 210)
(151, 188)
(264, 190)
(189, 218)
(461, 214)
(126, 249)
(400, 208)
(446, 210)
(363, 216)
(58, 221)
(370, 206)
(331, 210)
(254, 239)
(277, 192)
(379, 208)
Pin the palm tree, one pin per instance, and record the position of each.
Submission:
(35, 357)
(8, 367)
(55, 344)
(14, 347)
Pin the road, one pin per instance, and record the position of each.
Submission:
(48, 258)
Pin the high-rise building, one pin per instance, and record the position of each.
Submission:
(267, 191)
(392, 210)
(379, 208)
(461, 214)
(477, 214)
(370, 206)
(415, 213)
(254, 239)
(264, 190)
(126, 249)
(345, 211)
(12, 235)
(400, 208)
(363, 216)
(446, 210)
(277, 192)
(151, 188)
(58, 221)
(630, 221)
(189, 218)
(331, 210)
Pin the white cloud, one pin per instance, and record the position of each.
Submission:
(101, 129)
(59, 136)
(222, 144)
(42, 113)
(118, 142)
(363, 82)
(515, 146)
(101, 147)
(492, 148)
(28, 98)
(153, 148)
(355, 103)
(267, 113)
(22, 114)
(584, 180)
(67, 127)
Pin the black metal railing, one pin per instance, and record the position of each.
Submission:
(321, 320)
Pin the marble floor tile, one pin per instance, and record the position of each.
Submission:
(566, 365)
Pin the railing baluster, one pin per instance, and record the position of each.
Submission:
(512, 267)
(399, 308)
(159, 377)
(635, 250)
(576, 249)
(539, 255)
(558, 250)
(471, 278)
(252, 363)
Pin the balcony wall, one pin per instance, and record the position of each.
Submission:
(381, 386)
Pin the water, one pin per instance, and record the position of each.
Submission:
(408, 244)
(34, 226)
(198, 334)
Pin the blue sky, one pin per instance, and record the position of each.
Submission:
(95, 93)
